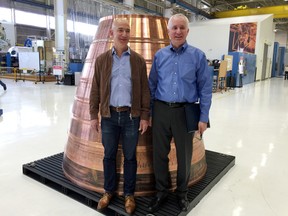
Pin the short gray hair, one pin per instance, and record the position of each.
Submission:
(177, 16)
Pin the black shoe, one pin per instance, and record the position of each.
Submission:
(4, 87)
(183, 204)
(156, 202)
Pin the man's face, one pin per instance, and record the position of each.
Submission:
(178, 32)
(121, 34)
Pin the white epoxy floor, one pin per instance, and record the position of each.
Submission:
(250, 123)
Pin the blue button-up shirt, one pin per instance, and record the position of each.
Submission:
(181, 75)
(121, 85)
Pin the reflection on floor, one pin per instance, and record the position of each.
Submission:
(250, 123)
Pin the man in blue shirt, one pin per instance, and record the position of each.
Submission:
(179, 75)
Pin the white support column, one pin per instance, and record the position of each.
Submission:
(194, 17)
(168, 12)
(129, 3)
(48, 26)
(60, 14)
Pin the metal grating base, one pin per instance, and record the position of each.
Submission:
(49, 172)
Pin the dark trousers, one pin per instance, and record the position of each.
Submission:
(3, 84)
(170, 122)
(120, 128)
(286, 75)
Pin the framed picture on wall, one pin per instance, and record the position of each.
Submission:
(242, 37)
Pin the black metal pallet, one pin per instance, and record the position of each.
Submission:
(49, 172)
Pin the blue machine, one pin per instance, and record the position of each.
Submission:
(8, 62)
(278, 61)
(274, 61)
(249, 68)
(75, 67)
(281, 58)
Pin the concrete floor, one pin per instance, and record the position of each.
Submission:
(250, 123)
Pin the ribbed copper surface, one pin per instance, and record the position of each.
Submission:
(83, 155)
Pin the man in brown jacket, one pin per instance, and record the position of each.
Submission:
(121, 95)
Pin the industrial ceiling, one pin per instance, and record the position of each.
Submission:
(253, 7)
(210, 9)
(195, 9)
(90, 11)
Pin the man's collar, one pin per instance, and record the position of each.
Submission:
(182, 48)
(127, 51)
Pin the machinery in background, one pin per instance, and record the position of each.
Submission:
(278, 63)
(45, 49)
(33, 62)
(10, 59)
(49, 62)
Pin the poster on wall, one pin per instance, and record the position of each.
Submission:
(242, 37)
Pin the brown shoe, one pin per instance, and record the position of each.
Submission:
(104, 201)
(130, 204)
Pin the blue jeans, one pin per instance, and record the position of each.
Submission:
(120, 128)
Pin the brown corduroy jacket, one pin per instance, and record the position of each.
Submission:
(101, 86)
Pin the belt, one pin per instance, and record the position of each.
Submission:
(173, 105)
(120, 109)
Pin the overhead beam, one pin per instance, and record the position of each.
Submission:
(280, 11)
(191, 8)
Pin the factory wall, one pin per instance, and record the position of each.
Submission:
(212, 37)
